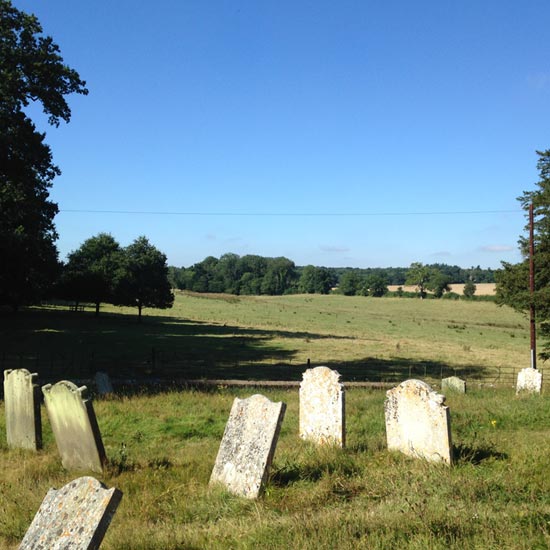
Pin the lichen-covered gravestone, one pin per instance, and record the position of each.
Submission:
(74, 426)
(529, 381)
(103, 383)
(22, 401)
(453, 384)
(322, 407)
(417, 422)
(76, 516)
(248, 445)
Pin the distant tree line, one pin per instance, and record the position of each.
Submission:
(252, 274)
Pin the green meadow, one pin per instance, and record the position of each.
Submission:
(162, 442)
(272, 338)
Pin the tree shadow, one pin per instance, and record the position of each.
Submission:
(476, 455)
(164, 351)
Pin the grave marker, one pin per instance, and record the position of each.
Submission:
(529, 381)
(76, 516)
(74, 426)
(417, 422)
(453, 383)
(103, 383)
(248, 445)
(322, 407)
(22, 401)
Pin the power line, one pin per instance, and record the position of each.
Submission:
(287, 214)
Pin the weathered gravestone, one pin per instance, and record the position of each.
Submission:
(529, 381)
(248, 445)
(74, 426)
(76, 516)
(103, 383)
(453, 383)
(322, 407)
(22, 401)
(417, 422)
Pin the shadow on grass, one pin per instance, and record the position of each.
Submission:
(166, 350)
(340, 464)
(476, 455)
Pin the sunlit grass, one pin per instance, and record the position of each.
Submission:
(161, 451)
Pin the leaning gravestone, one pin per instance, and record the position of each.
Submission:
(22, 401)
(417, 422)
(76, 516)
(103, 383)
(248, 445)
(453, 384)
(74, 426)
(322, 407)
(529, 381)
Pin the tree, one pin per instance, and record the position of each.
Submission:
(513, 280)
(315, 280)
(350, 283)
(375, 285)
(91, 271)
(418, 275)
(143, 278)
(469, 289)
(31, 70)
(438, 283)
(279, 276)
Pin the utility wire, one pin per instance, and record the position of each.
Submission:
(288, 214)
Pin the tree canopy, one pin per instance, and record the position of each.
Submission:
(143, 279)
(31, 70)
(92, 271)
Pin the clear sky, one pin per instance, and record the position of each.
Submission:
(371, 133)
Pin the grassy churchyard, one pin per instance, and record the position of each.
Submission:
(162, 444)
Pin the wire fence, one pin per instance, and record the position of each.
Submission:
(166, 366)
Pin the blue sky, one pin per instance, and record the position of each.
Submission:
(366, 133)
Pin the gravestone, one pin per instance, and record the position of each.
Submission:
(322, 407)
(529, 381)
(74, 426)
(417, 422)
(453, 384)
(76, 516)
(22, 402)
(248, 445)
(103, 383)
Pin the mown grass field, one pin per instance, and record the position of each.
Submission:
(272, 338)
(162, 448)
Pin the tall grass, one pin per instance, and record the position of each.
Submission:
(162, 448)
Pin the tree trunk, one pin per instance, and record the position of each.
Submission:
(97, 309)
(139, 312)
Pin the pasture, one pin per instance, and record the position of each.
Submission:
(272, 338)
(162, 443)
